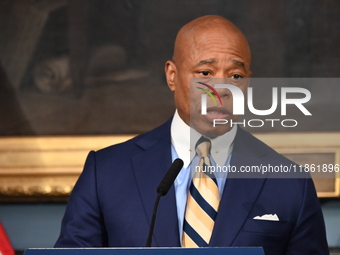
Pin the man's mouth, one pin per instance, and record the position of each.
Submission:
(217, 113)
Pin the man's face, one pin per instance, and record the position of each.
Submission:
(211, 54)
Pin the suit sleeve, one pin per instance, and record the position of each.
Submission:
(82, 225)
(309, 234)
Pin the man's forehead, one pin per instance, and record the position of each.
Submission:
(194, 44)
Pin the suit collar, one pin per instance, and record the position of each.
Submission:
(149, 139)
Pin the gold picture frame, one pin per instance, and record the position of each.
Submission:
(45, 168)
(312, 150)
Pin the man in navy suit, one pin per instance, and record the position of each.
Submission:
(111, 204)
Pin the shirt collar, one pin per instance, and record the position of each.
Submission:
(184, 138)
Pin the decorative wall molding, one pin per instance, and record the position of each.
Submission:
(46, 168)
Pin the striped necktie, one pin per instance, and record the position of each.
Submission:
(202, 203)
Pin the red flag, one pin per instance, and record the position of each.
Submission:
(5, 245)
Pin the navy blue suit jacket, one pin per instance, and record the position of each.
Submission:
(111, 203)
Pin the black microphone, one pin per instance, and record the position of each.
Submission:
(162, 190)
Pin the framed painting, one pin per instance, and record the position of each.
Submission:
(79, 75)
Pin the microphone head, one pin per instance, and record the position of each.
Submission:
(170, 177)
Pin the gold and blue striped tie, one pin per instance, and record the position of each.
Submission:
(202, 203)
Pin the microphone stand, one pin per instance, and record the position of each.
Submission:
(153, 220)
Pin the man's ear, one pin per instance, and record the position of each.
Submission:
(170, 73)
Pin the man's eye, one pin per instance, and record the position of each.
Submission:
(205, 73)
(236, 76)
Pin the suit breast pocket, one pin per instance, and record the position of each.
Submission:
(267, 227)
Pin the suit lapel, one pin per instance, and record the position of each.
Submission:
(237, 201)
(150, 167)
(239, 194)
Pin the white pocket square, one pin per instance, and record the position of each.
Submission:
(272, 217)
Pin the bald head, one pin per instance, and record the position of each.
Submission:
(196, 30)
(207, 47)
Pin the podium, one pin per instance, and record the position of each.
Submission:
(148, 251)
